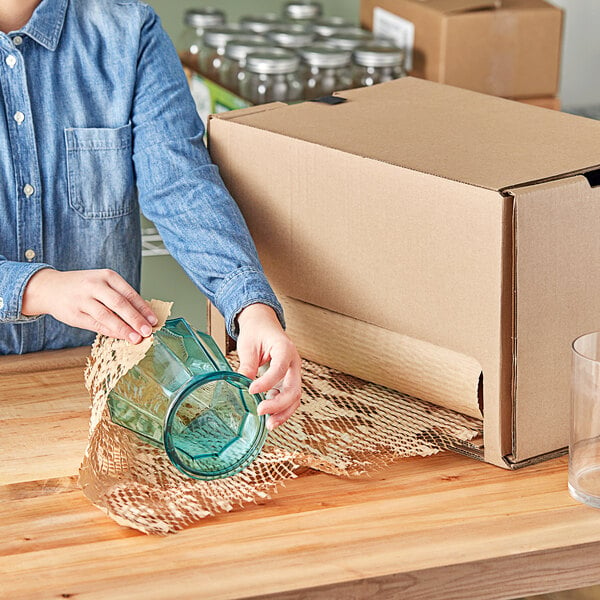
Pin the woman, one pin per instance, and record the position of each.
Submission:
(98, 123)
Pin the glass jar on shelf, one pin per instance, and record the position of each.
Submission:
(349, 39)
(234, 61)
(302, 11)
(376, 64)
(210, 59)
(271, 77)
(324, 70)
(261, 23)
(291, 37)
(328, 26)
(195, 21)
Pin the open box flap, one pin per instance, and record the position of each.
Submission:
(442, 130)
(458, 6)
(557, 298)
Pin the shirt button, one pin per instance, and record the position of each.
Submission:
(11, 61)
(19, 117)
(28, 190)
(1, 303)
(17, 40)
(30, 254)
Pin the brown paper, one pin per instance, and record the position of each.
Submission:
(344, 426)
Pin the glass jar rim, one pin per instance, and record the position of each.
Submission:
(179, 399)
(322, 55)
(290, 39)
(217, 37)
(271, 63)
(236, 50)
(374, 56)
(204, 17)
(303, 10)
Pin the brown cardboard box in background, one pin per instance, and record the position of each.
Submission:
(509, 48)
(408, 208)
(552, 102)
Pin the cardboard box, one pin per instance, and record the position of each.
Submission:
(552, 102)
(410, 209)
(509, 48)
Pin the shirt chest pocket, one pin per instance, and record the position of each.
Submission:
(100, 172)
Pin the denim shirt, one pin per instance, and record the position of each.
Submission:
(98, 123)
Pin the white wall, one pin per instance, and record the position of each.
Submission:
(580, 78)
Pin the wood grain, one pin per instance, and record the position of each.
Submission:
(438, 527)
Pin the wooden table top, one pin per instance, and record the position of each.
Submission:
(439, 527)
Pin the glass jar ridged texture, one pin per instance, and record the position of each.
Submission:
(272, 77)
(233, 69)
(184, 397)
(195, 22)
(324, 70)
(376, 64)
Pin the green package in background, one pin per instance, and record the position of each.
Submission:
(211, 98)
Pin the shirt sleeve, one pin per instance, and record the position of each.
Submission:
(181, 191)
(14, 276)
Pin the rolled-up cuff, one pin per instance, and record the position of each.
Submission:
(14, 276)
(242, 288)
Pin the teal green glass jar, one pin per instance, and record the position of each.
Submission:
(184, 397)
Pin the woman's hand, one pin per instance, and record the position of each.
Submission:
(261, 340)
(99, 300)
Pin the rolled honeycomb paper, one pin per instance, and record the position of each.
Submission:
(345, 427)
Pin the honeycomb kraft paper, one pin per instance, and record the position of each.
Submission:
(344, 426)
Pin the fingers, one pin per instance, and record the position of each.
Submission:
(139, 305)
(249, 363)
(281, 403)
(97, 317)
(275, 420)
(282, 356)
(122, 308)
(116, 309)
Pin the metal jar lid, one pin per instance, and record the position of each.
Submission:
(378, 56)
(288, 38)
(204, 17)
(303, 10)
(217, 37)
(272, 63)
(237, 49)
(349, 40)
(321, 55)
(261, 23)
(331, 25)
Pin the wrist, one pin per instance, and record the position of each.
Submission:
(35, 294)
(259, 311)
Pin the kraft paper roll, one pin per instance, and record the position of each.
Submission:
(421, 369)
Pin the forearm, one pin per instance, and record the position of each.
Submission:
(14, 277)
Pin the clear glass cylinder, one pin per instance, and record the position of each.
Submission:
(272, 77)
(184, 397)
(195, 22)
(233, 69)
(584, 443)
(261, 23)
(302, 11)
(376, 64)
(324, 70)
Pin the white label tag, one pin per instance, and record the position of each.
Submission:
(389, 25)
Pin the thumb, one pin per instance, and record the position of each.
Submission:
(249, 362)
